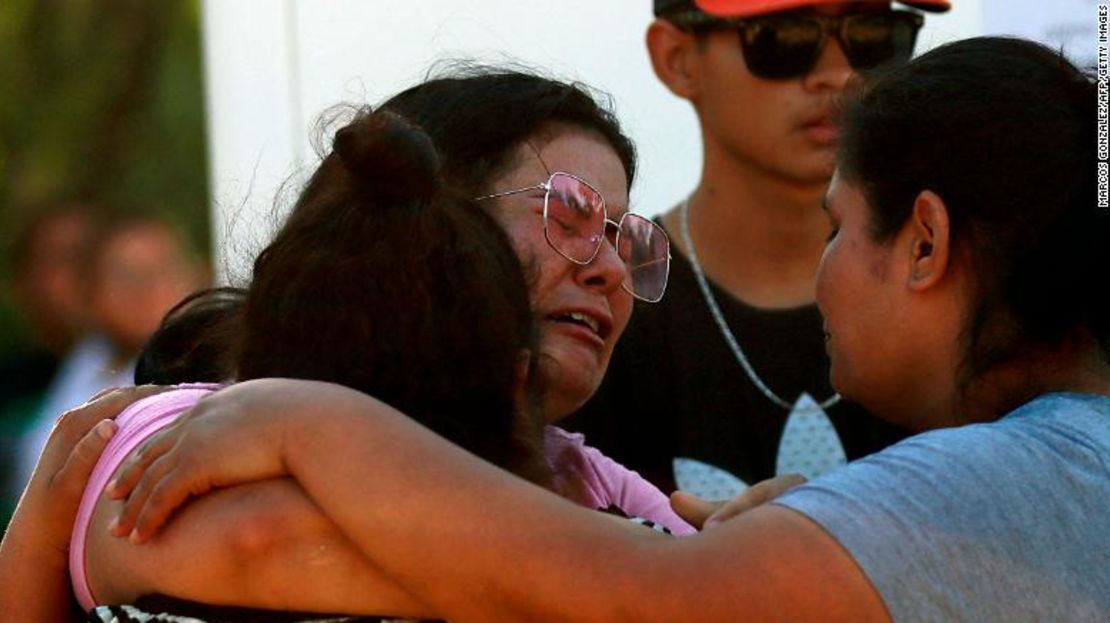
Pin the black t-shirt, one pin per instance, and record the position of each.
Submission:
(675, 389)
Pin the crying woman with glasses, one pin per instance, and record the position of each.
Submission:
(465, 254)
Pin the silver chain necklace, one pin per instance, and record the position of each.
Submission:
(715, 310)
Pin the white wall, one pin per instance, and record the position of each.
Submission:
(273, 65)
(1063, 24)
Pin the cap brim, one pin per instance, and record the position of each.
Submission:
(747, 8)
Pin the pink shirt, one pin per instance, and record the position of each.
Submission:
(135, 424)
(606, 482)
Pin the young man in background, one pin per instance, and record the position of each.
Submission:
(725, 382)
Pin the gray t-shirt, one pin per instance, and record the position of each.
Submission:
(1007, 521)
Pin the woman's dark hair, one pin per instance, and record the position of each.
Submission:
(1003, 130)
(387, 280)
(194, 341)
(478, 116)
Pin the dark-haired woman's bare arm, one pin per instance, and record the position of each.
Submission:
(478, 544)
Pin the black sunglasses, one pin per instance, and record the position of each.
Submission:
(786, 45)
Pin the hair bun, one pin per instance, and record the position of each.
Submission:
(388, 157)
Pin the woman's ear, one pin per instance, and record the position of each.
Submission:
(673, 54)
(930, 247)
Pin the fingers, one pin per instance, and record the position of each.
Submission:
(144, 482)
(216, 443)
(137, 475)
(134, 507)
(133, 468)
(704, 514)
(72, 425)
(69, 481)
(150, 450)
(756, 495)
(166, 496)
(103, 392)
(694, 510)
(112, 401)
(164, 483)
(109, 402)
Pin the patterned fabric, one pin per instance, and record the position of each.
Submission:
(159, 609)
(647, 523)
(809, 444)
(127, 614)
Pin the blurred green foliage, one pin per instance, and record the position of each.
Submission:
(101, 101)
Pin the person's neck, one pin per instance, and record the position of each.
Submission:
(757, 235)
(1074, 365)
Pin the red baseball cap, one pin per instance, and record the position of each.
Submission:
(747, 8)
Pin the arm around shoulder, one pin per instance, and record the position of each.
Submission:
(421, 510)
(551, 560)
